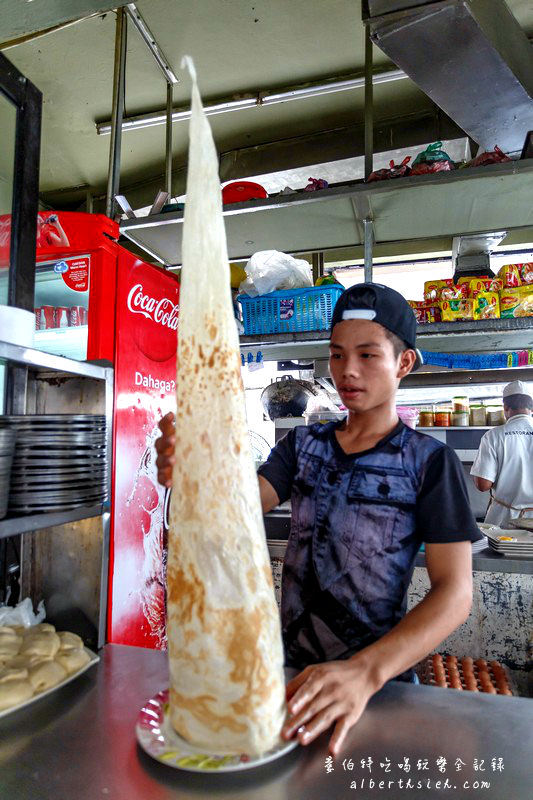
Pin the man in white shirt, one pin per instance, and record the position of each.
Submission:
(504, 462)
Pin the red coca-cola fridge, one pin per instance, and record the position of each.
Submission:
(95, 300)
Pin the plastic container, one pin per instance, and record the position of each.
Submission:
(495, 415)
(408, 415)
(478, 415)
(460, 419)
(460, 404)
(443, 416)
(324, 417)
(290, 310)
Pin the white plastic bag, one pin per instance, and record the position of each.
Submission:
(22, 614)
(269, 270)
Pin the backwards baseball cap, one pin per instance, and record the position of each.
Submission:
(515, 387)
(378, 303)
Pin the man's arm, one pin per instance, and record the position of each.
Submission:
(482, 483)
(269, 496)
(338, 691)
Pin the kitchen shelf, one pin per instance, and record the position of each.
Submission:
(471, 200)
(29, 357)
(489, 336)
(33, 522)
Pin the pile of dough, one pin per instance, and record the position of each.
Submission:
(227, 690)
(35, 659)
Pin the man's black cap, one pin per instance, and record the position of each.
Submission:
(378, 303)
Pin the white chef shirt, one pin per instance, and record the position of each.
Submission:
(505, 457)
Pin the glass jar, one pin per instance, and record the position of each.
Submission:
(478, 415)
(460, 419)
(426, 417)
(460, 403)
(443, 416)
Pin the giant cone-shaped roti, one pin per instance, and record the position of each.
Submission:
(225, 653)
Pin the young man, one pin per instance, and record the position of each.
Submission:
(365, 494)
(504, 462)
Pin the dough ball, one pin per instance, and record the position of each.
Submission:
(23, 661)
(9, 647)
(44, 626)
(7, 630)
(40, 643)
(72, 660)
(45, 674)
(13, 693)
(11, 673)
(20, 630)
(69, 641)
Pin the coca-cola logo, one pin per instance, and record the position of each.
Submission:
(163, 312)
(152, 310)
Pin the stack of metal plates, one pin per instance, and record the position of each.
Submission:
(7, 447)
(511, 542)
(59, 462)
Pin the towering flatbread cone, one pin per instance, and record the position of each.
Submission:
(225, 651)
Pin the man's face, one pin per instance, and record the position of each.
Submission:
(362, 364)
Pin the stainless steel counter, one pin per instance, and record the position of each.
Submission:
(79, 744)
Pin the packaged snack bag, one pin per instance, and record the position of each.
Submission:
(509, 301)
(478, 285)
(426, 314)
(510, 276)
(454, 310)
(525, 306)
(487, 305)
(451, 292)
(526, 273)
(433, 289)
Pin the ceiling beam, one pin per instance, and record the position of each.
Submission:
(20, 20)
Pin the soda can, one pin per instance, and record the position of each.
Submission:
(37, 312)
(62, 313)
(74, 316)
(47, 318)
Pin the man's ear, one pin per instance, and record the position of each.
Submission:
(407, 362)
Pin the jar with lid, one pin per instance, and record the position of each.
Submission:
(478, 415)
(426, 418)
(495, 415)
(460, 404)
(460, 419)
(443, 415)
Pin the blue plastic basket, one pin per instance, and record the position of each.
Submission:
(289, 311)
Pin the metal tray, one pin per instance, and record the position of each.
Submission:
(94, 660)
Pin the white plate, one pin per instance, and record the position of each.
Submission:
(94, 660)
(157, 737)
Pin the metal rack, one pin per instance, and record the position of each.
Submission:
(486, 336)
(37, 361)
(459, 202)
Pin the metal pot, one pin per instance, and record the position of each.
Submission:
(288, 397)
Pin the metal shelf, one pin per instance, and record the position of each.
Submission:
(29, 357)
(488, 336)
(462, 201)
(34, 522)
